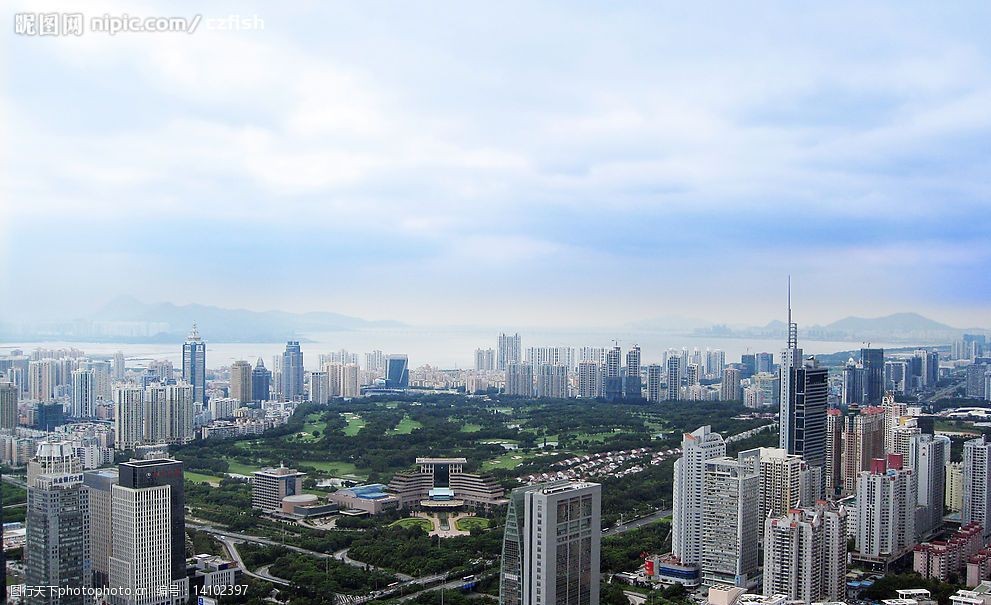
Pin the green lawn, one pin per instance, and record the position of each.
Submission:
(201, 478)
(469, 523)
(333, 467)
(471, 427)
(233, 466)
(406, 426)
(355, 424)
(415, 522)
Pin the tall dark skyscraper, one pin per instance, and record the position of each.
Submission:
(397, 371)
(194, 364)
(261, 381)
(748, 361)
(292, 372)
(612, 379)
(873, 362)
(632, 384)
(137, 474)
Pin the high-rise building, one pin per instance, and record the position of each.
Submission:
(129, 423)
(335, 376)
(508, 351)
(269, 486)
(953, 499)
(350, 375)
(98, 488)
(805, 435)
(748, 365)
(765, 362)
(791, 360)
(886, 501)
(485, 359)
(715, 362)
(673, 378)
(863, 442)
(119, 369)
(241, 381)
(612, 380)
(697, 448)
(8, 405)
(853, 383)
(56, 552)
(730, 389)
(833, 469)
(589, 379)
(142, 550)
(552, 381)
(261, 382)
(976, 383)
(519, 379)
(138, 475)
(873, 362)
(928, 457)
(319, 387)
(783, 480)
(169, 413)
(805, 554)
(83, 394)
(928, 367)
(654, 382)
(194, 364)
(730, 525)
(375, 362)
(42, 379)
(292, 372)
(397, 371)
(632, 385)
(977, 484)
(551, 546)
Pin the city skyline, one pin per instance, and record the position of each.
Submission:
(355, 164)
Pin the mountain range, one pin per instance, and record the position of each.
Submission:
(230, 325)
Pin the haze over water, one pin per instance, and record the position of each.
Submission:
(445, 348)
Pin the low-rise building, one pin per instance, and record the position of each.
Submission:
(371, 498)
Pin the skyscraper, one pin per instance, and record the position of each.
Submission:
(803, 426)
(8, 405)
(129, 420)
(791, 357)
(928, 457)
(730, 525)
(98, 486)
(83, 394)
(873, 362)
(551, 545)
(782, 478)
(730, 389)
(805, 554)
(632, 386)
(397, 371)
(977, 484)
(508, 351)
(519, 379)
(589, 379)
(673, 378)
(56, 551)
(886, 502)
(697, 448)
(169, 413)
(241, 381)
(319, 387)
(194, 364)
(137, 475)
(119, 369)
(853, 383)
(292, 372)
(261, 381)
(485, 359)
(350, 373)
(862, 436)
(552, 381)
(612, 381)
(654, 382)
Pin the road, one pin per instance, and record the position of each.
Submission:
(342, 556)
(229, 544)
(635, 523)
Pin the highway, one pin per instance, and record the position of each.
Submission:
(635, 523)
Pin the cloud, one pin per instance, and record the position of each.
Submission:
(668, 148)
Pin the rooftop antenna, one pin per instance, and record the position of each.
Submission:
(792, 328)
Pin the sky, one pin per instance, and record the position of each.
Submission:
(511, 163)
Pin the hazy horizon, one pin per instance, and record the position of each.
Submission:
(550, 165)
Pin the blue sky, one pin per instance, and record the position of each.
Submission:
(550, 164)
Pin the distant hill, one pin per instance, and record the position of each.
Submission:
(672, 323)
(233, 325)
(896, 322)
